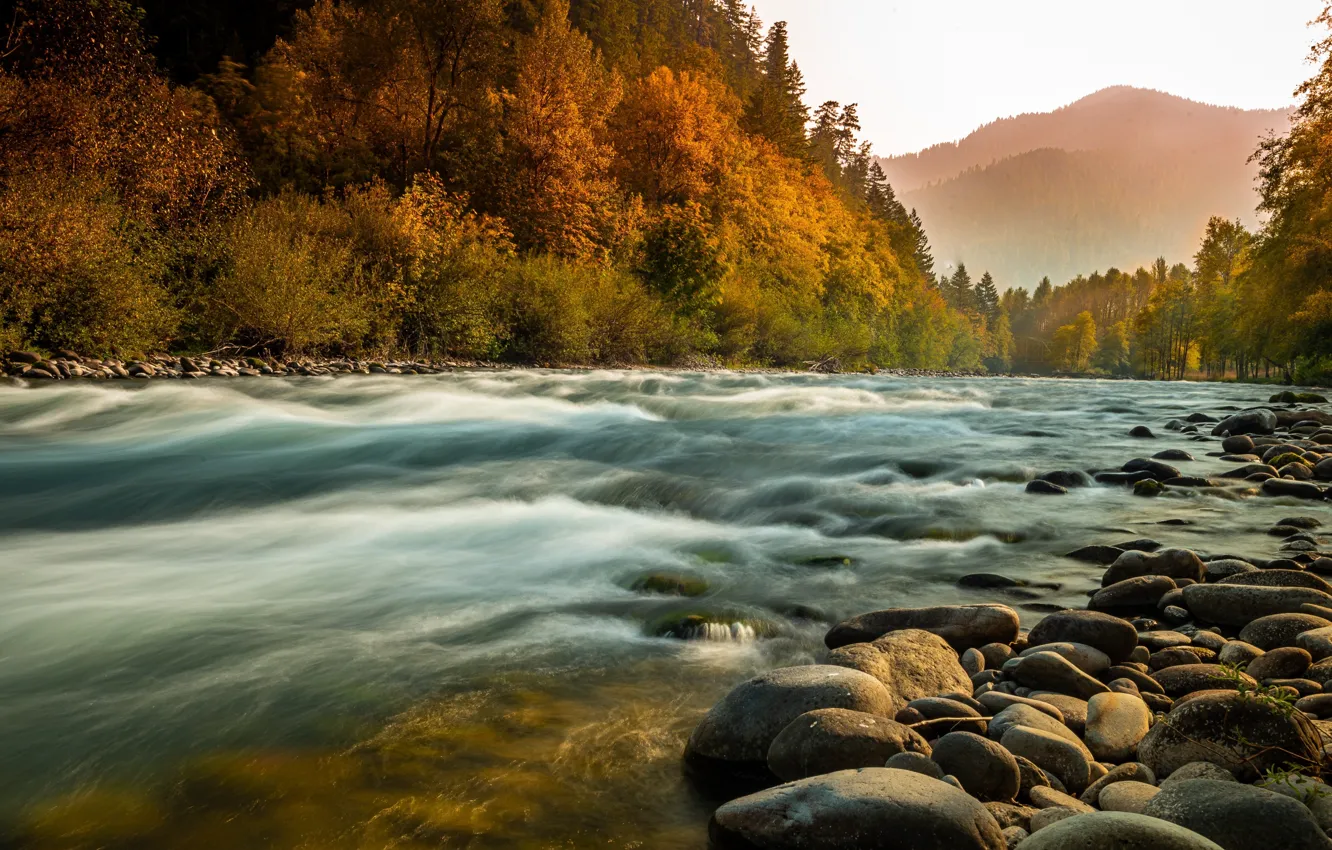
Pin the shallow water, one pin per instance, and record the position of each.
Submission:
(383, 611)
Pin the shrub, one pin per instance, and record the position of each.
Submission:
(295, 281)
(77, 272)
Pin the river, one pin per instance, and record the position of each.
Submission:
(400, 611)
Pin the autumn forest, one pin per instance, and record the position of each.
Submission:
(559, 182)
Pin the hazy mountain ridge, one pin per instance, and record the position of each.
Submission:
(1116, 178)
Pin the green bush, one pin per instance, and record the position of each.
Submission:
(295, 282)
(77, 272)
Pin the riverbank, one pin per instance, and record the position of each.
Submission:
(1188, 705)
(29, 365)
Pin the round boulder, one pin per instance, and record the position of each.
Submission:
(867, 809)
(1116, 831)
(1239, 605)
(963, 626)
(911, 664)
(1278, 630)
(827, 740)
(1116, 724)
(1113, 636)
(1238, 816)
(986, 770)
(734, 737)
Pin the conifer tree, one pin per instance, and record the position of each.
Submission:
(777, 111)
(923, 254)
(987, 299)
(959, 293)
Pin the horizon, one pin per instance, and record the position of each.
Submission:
(986, 81)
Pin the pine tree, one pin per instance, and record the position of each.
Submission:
(923, 254)
(987, 299)
(776, 111)
(958, 292)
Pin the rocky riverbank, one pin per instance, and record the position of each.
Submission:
(1187, 707)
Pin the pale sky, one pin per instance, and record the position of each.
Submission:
(930, 71)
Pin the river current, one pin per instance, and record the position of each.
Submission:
(401, 611)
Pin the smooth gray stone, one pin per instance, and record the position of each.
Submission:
(858, 810)
(1117, 831)
(1238, 816)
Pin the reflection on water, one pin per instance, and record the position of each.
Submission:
(447, 611)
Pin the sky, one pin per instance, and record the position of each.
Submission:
(931, 71)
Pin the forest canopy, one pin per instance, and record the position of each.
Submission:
(552, 181)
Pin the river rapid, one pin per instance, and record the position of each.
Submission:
(400, 611)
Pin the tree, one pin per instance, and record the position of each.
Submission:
(673, 135)
(1076, 343)
(987, 298)
(559, 195)
(957, 291)
(777, 111)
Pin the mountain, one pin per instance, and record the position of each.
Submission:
(1116, 179)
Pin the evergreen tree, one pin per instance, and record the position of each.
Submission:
(777, 111)
(958, 292)
(987, 299)
(923, 253)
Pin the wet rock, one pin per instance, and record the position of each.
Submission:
(734, 737)
(1175, 563)
(1173, 454)
(856, 810)
(1051, 671)
(1132, 594)
(963, 626)
(1189, 678)
(1248, 422)
(911, 664)
(1052, 753)
(827, 740)
(1242, 735)
(986, 770)
(1096, 554)
(1238, 445)
(1306, 523)
(1117, 831)
(1238, 817)
(1248, 470)
(1116, 724)
(1154, 468)
(1279, 630)
(1142, 432)
(1045, 488)
(1239, 605)
(1124, 478)
(1293, 489)
(1287, 662)
(1066, 478)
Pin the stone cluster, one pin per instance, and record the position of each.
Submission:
(1188, 707)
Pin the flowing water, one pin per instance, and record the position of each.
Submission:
(400, 611)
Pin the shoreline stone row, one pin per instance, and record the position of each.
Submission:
(1188, 707)
(68, 365)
